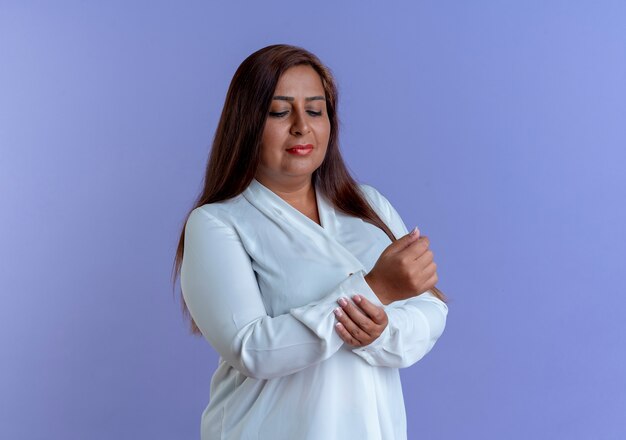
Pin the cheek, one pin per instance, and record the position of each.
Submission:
(267, 142)
(326, 126)
(324, 131)
(272, 136)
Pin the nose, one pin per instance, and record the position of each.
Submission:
(300, 125)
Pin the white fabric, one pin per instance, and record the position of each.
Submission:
(261, 281)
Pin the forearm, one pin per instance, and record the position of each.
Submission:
(223, 297)
(414, 326)
(273, 347)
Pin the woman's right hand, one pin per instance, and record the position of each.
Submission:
(404, 269)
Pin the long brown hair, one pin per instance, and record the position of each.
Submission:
(235, 152)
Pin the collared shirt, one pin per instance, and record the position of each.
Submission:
(261, 281)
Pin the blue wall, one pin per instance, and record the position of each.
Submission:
(498, 127)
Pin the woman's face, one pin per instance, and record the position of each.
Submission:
(297, 116)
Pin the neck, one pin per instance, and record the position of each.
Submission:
(295, 192)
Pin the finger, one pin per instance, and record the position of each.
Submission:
(405, 240)
(347, 337)
(375, 313)
(431, 268)
(425, 260)
(433, 280)
(360, 319)
(416, 248)
(355, 331)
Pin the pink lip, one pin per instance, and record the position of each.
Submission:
(307, 146)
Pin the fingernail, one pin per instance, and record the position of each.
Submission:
(414, 231)
(356, 298)
(342, 302)
(338, 312)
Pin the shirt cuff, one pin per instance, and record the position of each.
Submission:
(319, 315)
(360, 286)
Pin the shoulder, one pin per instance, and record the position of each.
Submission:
(383, 207)
(376, 199)
(220, 213)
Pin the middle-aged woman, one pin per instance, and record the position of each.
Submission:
(306, 283)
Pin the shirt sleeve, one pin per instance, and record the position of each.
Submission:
(222, 295)
(414, 324)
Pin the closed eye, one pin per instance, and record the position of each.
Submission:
(281, 114)
(278, 115)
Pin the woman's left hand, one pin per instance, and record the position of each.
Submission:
(359, 326)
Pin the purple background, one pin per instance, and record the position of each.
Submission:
(498, 127)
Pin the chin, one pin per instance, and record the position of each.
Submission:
(300, 173)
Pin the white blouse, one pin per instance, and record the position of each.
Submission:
(261, 281)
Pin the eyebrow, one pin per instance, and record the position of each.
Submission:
(308, 98)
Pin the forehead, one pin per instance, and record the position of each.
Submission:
(300, 80)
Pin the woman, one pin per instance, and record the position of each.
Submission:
(292, 271)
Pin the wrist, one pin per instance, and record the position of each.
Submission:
(377, 288)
